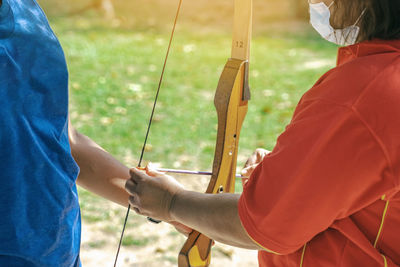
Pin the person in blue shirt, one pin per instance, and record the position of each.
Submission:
(40, 151)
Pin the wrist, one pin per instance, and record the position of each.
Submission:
(174, 203)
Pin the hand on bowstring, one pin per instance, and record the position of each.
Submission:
(152, 193)
(253, 161)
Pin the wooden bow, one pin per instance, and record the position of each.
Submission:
(231, 103)
(230, 100)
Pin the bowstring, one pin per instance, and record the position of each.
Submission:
(150, 121)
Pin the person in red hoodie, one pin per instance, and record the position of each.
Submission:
(329, 192)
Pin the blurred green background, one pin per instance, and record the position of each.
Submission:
(115, 59)
(115, 50)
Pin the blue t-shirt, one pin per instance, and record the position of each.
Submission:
(39, 210)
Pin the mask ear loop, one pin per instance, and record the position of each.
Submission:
(359, 18)
(357, 21)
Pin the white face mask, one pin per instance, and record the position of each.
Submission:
(320, 19)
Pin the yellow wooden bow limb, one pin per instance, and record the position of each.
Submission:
(231, 104)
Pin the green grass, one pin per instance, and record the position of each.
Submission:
(114, 73)
(131, 241)
(97, 244)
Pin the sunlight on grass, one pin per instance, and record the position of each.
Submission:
(114, 76)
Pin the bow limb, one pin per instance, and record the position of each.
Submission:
(230, 100)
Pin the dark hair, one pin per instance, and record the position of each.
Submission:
(381, 18)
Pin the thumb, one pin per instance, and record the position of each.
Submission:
(246, 172)
(151, 171)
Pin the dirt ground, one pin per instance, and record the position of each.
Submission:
(157, 254)
(153, 245)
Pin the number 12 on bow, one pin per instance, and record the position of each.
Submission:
(231, 99)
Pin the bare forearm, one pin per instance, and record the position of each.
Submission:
(100, 173)
(216, 216)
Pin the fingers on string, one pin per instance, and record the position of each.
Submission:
(151, 170)
(137, 175)
(130, 186)
(247, 171)
(135, 203)
(154, 173)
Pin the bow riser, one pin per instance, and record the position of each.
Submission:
(231, 104)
